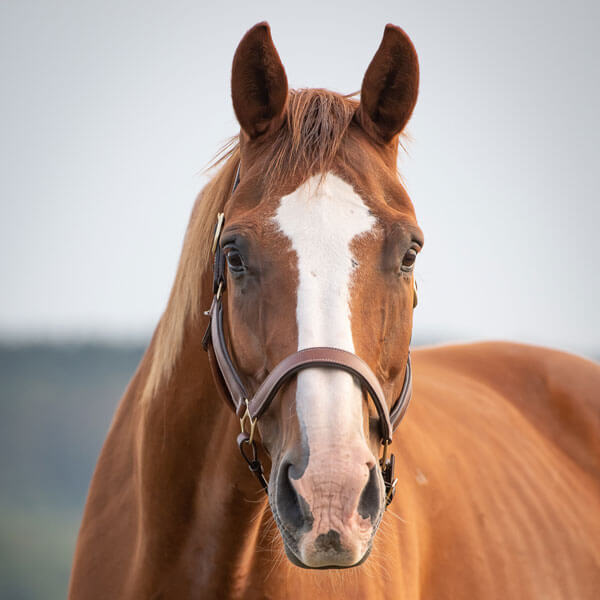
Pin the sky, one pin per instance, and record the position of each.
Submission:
(110, 110)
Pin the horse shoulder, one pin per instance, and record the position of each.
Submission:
(558, 393)
(499, 471)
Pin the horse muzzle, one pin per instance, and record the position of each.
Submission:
(328, 513)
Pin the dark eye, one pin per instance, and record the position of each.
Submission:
(235, 262)
(408, 262)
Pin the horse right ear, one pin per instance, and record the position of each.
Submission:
(258, 83)
(390, 87)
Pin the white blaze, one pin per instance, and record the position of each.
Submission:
(321, 220)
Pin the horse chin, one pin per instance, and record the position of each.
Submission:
(336, 562)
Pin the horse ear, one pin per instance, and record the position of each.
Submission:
(390, 86)
(258, 83)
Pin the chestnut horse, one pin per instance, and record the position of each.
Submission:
(498, 460)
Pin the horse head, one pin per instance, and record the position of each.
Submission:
(320, 240)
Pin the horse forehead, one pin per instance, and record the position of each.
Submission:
(321, 219)
(324, 213)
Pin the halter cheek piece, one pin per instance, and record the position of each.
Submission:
(250, 408)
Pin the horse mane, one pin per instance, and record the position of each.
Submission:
(317, 120)
(308, 143)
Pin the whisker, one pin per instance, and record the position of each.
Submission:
(397, 516)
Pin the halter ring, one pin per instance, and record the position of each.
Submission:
(252, 422)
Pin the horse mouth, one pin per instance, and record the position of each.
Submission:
(293, 558)
(330, 554)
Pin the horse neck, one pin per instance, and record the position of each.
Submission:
(197, 494)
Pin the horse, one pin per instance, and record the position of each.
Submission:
(297, 276)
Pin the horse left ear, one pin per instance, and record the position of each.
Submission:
(258, 83)
(390, 87)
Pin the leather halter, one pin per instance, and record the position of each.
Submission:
(249, 408)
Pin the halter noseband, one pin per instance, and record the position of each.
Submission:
(250, 408)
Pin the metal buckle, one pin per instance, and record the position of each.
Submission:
(253, 461)
(415, 295)
(389, 481)
(383, 460)
(390, 492)
(252, 422)
(220, 219)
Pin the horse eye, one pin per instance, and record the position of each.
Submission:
(408, 262)
(235, 261)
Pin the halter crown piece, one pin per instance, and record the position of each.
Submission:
(250, 408)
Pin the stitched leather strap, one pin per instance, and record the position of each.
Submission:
(321, 357)
(316, 357)
(235, 387)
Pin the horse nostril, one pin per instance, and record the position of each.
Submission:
(369, 505)
(292, 507)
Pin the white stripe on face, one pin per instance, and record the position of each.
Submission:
(321, 218)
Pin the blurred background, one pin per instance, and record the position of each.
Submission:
(110, 110)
